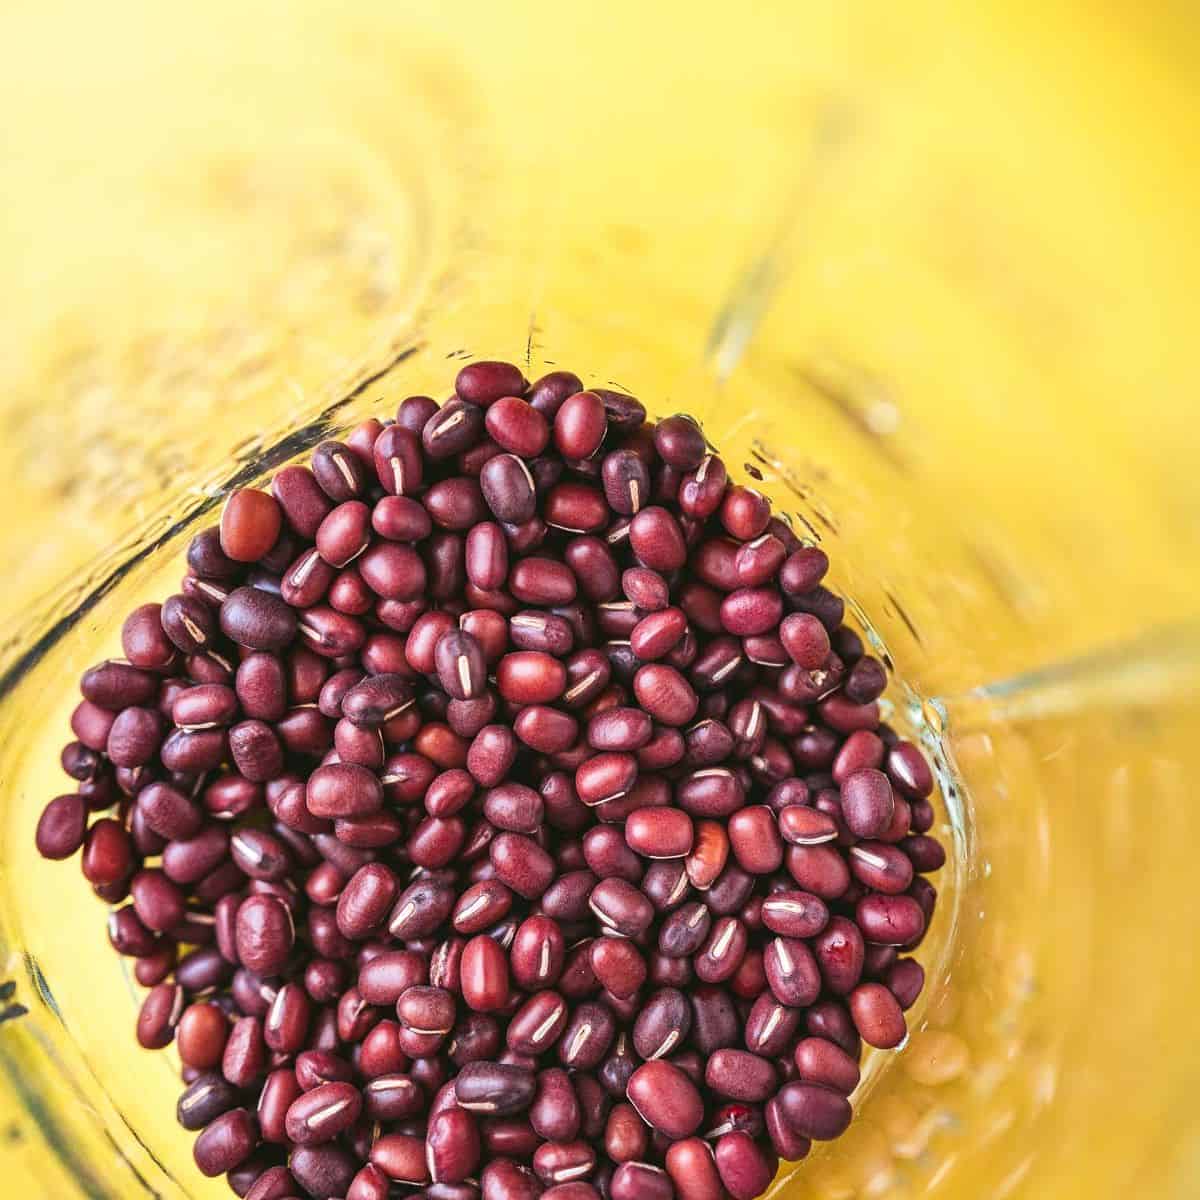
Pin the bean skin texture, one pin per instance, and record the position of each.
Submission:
(503, 807)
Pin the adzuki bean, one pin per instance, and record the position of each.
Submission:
(517, 786)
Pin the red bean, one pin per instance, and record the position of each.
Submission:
(746, 1169)
(250, 525)
(665, 694)
(657, 539)
(666, 1099)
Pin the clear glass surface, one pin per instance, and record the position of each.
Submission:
(932, 277)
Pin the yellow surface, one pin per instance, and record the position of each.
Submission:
(933, 267)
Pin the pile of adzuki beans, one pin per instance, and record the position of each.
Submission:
(504, 810)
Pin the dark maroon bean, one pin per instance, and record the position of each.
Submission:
(794, 914)
(867, 802)
(257, 619)
(562, 1162)
(925, 853)
(905, 979)
(771, 1027)
(376, 700)
(189, 623)
(323, 1171)
(587, 1037)
(452, 1146)
(663, 1024)
(322, 1114)
(486, 559)
(274, 1183)
(256, 750)
(626, 480)
(366, 901)
(680, 442)
(908, 771)
(504, 1179)
(456, 427)
(341, 473)
(618, 966)
(685, 930)
(722, 952)
(555, 1112)
(865, 681)
(494, 1089)
(621, 907)
(814, 1111)
(203, 970)
(803, 570)
(226, 1143)
(205, 1099)
(118, 685)
(755, 841)
(62, 827)
(605, 777)
(606, 853)
(792, 972)
(159, 1016)
(159, 902)
(508, 489)
(135, 736)
(517, 426)
(566, 899)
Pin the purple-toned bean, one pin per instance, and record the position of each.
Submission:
(771, 1026)
(814, 1111)
(62, 827)
(792, 972)
(794, 914)
(256, 619)
(587, 1037)
(323, 1114)
(905, 979)
(226, 1143)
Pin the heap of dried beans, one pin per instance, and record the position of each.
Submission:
(504, 810)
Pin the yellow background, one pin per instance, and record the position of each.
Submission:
(945, 255)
